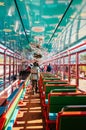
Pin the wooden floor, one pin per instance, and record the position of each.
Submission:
(30, 113)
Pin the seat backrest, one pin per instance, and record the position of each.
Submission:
(74, 108)
(75, 120)
(58, 82)
(59, 88)
(50, 82)
(56, 102)
(51, 78)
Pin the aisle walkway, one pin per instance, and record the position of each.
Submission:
(30, 114)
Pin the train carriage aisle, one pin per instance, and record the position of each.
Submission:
(30, 113)
(42, 64)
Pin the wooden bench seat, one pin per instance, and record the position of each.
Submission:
(74, 108)
(56, 101)
(56, 88)
(51, 82)
(71, 120)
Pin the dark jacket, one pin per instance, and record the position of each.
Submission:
(49, 68)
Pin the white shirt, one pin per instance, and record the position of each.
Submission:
(34, 73)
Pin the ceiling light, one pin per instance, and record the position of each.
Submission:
(12, 25)
(59, 16)
(7, 30)
(53, 24)
(38, 29)
(11, 11)
(16, 26)
(37, 22)
(16, 34)
(63, 1)
(48, 16)
(49, 1)
(83, 14)
(12, 40)
(1, 3)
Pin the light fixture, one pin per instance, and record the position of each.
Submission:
(83, 14)
(49, 1)
(16, 26)
(1, 3)
(38, 29)
(12, 40)
(11, 11)
(7, 30)
(49, 16)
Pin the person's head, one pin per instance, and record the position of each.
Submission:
(35, 64)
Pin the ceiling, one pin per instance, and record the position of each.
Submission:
(31, 27)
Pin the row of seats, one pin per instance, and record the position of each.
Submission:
(56, 94)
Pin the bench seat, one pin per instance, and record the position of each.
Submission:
(57, 101)
(71, 120)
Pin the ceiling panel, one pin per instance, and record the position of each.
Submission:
(37, 22)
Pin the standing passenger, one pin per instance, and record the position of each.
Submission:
(34, 76)
(49, 68)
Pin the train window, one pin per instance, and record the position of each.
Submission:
(7, 59)
(67, 36)
(61, 60)
(11, 68)
(73, 74)
(1, 58)
(82, 58)
(82, 70)
(1, 71)
(73, 39)
(15, 69)
(7, 80)
(11, 60)
(66, 60)
(65, 70)
(73, 69)
(73, 59)
(82, 32)
(7, 68)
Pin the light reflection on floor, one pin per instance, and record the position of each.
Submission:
(35, 121)
(31, 114)
(33, 108)
(35, 100)
(35, 127)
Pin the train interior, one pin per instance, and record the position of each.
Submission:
(43, 32)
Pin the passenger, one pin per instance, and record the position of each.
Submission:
(45, 68)
(42, 68)
(49, 68)
(14, 77)
(34, 76)
(28, 69)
